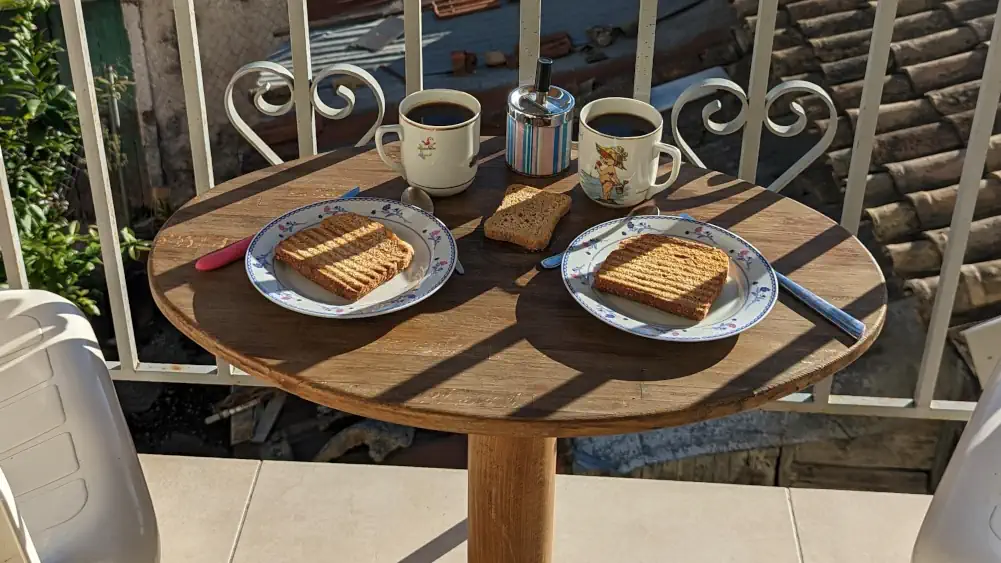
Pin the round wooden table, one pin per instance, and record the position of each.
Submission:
(503, 353)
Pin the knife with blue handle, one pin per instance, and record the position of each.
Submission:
(553, 261)
(849, 324)
(852, 326)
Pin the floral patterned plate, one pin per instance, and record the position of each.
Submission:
(435, 256)
(749, 294)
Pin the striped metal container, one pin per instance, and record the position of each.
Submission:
(539, 131)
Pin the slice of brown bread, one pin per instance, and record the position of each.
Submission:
(346, 254)
(527, 216)
(676, 275)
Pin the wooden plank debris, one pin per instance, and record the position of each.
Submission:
(268, 417)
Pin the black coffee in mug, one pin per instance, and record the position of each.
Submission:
(621, 125)
(440, 114)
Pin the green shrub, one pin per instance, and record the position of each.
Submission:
(40, 140)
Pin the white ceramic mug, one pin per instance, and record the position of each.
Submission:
(622, 171)
(441, 160)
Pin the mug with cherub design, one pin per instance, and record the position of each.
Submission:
(619, 151)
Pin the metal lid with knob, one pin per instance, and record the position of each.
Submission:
(541, 104)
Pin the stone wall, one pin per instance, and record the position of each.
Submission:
(231, 33)
(907, 456)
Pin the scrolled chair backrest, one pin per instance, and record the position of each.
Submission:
(286, 79)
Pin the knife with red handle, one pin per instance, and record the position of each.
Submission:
(229, 254)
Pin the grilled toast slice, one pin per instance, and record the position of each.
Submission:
(527, 216)
(675, 275)
(346, 254)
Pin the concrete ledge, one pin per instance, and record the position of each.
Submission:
(216, 510)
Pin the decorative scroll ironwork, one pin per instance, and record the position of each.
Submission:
(267, 108)
(286, 79)
(712, 85)
(348, 96)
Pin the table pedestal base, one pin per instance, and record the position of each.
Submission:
(511, 490)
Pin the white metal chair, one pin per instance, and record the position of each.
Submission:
(963, 524)
(66, 455)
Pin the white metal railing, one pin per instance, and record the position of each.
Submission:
(10, 242)
(752, 119)
(962, 217)
(865, 135)
(100, 187)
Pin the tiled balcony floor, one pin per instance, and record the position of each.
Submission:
(221, 510)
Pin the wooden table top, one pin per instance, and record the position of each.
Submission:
(504, 349)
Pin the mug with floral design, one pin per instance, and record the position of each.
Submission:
(439, 159)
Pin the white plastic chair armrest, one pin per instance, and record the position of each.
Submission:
(963, 523)
(15, 541)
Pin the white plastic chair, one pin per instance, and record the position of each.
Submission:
(15, 541)
(65, 450)
(963, 523)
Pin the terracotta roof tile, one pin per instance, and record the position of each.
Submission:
(947, 71)
(922, 23)
(841, 46)
(896, 88)
(880, 189)
(749, 8)
(781, 20)
(956, 98)
(843, 136)
(963, 122)
(845, 70)
(786, 37)
(795, 60)
(933, 46)
(816, 77)
(982, 26)
(984, 242)
(854, 43)
(914, 258)
(900, 115)
(894, 221)
(964, 10)
(903, 144)
(908, 7)
(814, 8)
(931, 209)
(839, 22)
(813, 105)
(979, 287)
(924, 256)
(929, 94)
(914, 142)
(939, 170)
(934, 207)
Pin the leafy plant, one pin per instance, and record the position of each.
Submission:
(40, 140)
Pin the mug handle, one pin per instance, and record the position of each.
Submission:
(474, 152)
(381, 132)
(675, 168)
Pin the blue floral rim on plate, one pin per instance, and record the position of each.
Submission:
(756, 288)
(409, 223)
